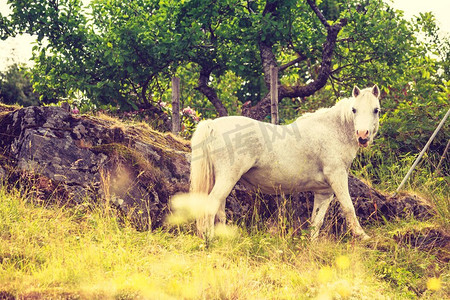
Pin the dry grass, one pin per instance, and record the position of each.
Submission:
(87, 254)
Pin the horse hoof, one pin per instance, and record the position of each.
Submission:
(364, 237)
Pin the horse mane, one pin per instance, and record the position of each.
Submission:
(342, 107)
(345, 107)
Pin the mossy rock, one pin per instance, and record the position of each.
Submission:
(95, 159)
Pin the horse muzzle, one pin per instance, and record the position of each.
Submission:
(363, 138)
(363, 142)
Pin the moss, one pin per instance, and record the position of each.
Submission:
(165, 141)
(132, 157)
(6, 163)
(3, 159)
(8, 108)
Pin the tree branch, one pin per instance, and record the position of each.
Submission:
(209, 92)
(293, 62)
(325, 66)
(337, 70)
(323, 20)
(144, 92)
(262, 108)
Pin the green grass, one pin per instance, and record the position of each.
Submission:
(385, 171)
(77, 253)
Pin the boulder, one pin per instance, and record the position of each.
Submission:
(79, 159)
(74, 159)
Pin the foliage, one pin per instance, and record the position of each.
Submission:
(16, 88)
(228, 88)
(385, 168)
(412, 116)
(188, 117)
(125, 53)
(416, 102)
(121, 56)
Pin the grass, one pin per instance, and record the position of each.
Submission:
(51, 252)
(85, 252)
(385, 172)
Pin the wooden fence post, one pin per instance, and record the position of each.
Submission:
(274, 94)
(176, 126)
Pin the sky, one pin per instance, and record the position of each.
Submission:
(18, 49)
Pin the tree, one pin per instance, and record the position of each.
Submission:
(125, 52)
(15, 87)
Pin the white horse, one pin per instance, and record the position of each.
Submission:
(314, 153)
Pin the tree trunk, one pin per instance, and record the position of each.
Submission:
(262, 108)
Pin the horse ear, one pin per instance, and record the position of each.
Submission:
(376, 91)
(356, 91)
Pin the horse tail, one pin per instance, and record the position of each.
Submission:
(195, 204)
(202, 168)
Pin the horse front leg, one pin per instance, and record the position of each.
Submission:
(321, 203)
(339, 183)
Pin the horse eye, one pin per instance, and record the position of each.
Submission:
(376, 110)
(354, 110)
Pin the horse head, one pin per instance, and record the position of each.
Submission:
(366, 113)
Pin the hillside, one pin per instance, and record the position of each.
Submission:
(69, 159)
(79, 194)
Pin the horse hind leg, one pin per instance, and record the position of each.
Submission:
(321, 204)
(215, 207)
(221, 216)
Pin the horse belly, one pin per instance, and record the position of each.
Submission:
(273, 182)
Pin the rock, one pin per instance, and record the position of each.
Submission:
(371, 207)
(89, 158)
(432, 240)
(4, 295)
(75, 159)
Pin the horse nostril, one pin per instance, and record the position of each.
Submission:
(362, 134)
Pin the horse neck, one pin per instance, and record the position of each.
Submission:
(344, 125)
(339, 116)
